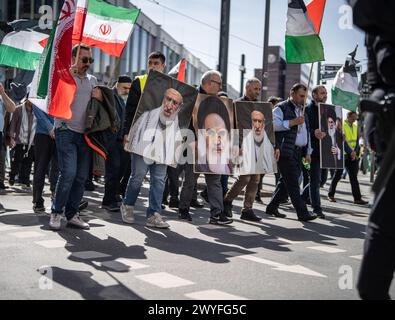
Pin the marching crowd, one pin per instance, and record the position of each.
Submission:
(60, 150)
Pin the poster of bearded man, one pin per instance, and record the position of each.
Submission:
(163, 113)
(256, 136)
(332, 145)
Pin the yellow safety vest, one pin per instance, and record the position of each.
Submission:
(351, 134)
(143, 80)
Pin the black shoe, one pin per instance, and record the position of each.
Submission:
(228, 209)
(195, 203)
(223, 219)
(204, 195)
(3, 186)
(258, 199)
(284, 201)
(214, 220)
(163, 206)
(248, 214)
(360, 201)
(274, 213)
(83, 205)
(90, 186)
(113, 207)
(307, 217)
(165, 202)
(39, 209)
(184, 214)
(11, 182)
(174, 203)
(319, 214)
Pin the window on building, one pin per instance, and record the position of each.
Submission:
(135, 50)
(144, 51)
(96, 56)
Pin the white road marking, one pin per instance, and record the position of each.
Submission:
(327, 249)
(164, 280)
(87, 255)
(51, 244)
(27, 234)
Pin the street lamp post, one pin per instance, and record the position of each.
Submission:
(224, 42)
(265, 52)
(242, 69)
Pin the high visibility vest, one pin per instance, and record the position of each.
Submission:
(351, 134)
(143, 80)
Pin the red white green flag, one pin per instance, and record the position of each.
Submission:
(107, 27)
(178, 71)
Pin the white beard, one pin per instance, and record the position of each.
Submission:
(166, 121)
(332, 133)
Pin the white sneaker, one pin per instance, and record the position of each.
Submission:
(157, 222)
(54, 221)
(127, 213)
(77, 222)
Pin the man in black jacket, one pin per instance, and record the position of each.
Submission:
(114, 165)
(292, 138)
(319, 95)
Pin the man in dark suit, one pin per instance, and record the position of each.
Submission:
(332, 144)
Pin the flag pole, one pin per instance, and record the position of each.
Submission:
(117, 62)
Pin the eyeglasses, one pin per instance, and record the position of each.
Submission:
(217, 82)
(86, 60)
(171, 100)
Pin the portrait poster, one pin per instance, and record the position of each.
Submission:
(332, 145)
(254, 121)
(164, 110)
(213, 121)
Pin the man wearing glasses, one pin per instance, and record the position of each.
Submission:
(74, 155)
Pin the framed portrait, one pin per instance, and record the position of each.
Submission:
(332, 145)
(254, 121)
(164, 110)
(213, 121)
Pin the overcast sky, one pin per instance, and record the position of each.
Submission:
(247, 21)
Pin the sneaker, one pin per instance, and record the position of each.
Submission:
(195, 203)
(38, 209)
(331, 199)
(77, 222)
(113, 207)
(156, 221)
(127, 213)
(319, 214)
(228, 209)
(214, 220)
(248, 214)
(307, 217)
(223, 219)
(173, 203)
(54, 221)
(360, 201)
(184, 214)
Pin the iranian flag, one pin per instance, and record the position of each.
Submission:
(22, 49)
(302, 41)
(53, 78)
(107, 27)
(345, 91)
(178, 71)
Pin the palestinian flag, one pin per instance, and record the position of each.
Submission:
(107, 27)
(345, 91)
(22, 46)
(302, 42)
(56, 81)
(178, 71)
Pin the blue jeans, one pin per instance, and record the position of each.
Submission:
(74, 157)
(315, 183)
(139, 169)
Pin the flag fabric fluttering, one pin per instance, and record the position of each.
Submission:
(21, 46)
(302, 42)
(55, 82)
(178, 71)
(107, 27)
(345, 91)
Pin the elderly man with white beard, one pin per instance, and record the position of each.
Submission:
(152, 141)
(258, 157)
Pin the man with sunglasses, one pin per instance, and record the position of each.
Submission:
(74, 155)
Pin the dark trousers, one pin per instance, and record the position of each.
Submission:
(290, 169)
(44, 155)
(378, 263)
(114, 171)
(189, 187)
(352, 169)
(172, 183)
(224, 184)
(21, 163)
(125, 174)
(315, 184)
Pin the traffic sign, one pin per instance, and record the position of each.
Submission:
(336, 67)
(328, 75)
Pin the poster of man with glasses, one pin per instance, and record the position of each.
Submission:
(332, 144)
(163, 110)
